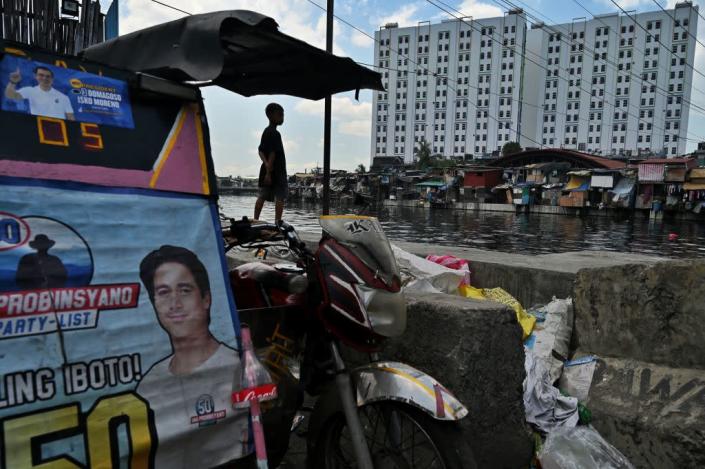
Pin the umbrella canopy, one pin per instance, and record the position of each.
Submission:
(239, 50)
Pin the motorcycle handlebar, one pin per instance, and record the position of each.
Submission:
(245, 232)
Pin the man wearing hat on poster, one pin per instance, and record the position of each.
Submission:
(40, 269)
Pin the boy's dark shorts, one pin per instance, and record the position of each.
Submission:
(274, 192)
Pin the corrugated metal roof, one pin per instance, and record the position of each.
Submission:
(651, 172)
(668, 161)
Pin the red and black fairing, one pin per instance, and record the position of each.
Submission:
(258, 285)
(342, 311)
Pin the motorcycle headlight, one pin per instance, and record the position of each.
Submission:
(386, 311)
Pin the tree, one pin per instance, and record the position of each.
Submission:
(510, 148)
(360, 169)
(423, 154)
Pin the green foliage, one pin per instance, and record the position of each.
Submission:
(423, 155)
(510, 148)
(360, 169)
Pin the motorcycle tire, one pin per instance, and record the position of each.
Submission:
(441, 445)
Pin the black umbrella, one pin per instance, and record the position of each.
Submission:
(239, 50)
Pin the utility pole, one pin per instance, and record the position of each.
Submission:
(326, 116)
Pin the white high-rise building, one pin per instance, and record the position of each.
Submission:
(456, 84)
(612, 85)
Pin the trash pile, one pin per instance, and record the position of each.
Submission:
(555, 388)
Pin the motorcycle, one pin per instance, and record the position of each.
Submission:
(315, 321)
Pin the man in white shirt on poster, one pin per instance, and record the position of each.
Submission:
(189, 390)
(44, 99)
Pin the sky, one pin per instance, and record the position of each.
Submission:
(236, 122)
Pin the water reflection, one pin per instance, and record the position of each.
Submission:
(528, 234)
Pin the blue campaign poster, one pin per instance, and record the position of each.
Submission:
(118, 329)
(42, 89)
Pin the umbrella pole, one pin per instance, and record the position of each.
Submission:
(327, 116)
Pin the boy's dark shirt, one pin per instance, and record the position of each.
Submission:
(272, 142)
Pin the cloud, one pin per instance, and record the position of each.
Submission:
(297, 18)
(351, 118)
(360, 40)
(478, 10)
(343, 107)
(359, 128)
(405, 16)
(628, 4)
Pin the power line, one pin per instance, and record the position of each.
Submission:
(519, 134)
(674, 20)
(172, 7)
(657, 40)
(559, 77)
(663, 91)
(668, 94)
(609, 62)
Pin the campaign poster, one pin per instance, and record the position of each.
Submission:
(42, 89)
(118, 331)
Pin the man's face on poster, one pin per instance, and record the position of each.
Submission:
(181, 308)
(44, 78)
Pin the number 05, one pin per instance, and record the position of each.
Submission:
(90, 136)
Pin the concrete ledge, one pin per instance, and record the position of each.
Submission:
(653, 313)
(639, 213)
(655, 415)
(474, 348)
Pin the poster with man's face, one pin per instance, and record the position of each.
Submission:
(117, 329)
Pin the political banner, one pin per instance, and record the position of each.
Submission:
(118, 329)
(42, 89)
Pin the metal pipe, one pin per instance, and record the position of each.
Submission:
(327, 116)
(345, 390)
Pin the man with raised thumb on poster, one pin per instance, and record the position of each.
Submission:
(189, 390)
(44, 99)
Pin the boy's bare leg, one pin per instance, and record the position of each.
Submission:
(278, 209)
(258, 207)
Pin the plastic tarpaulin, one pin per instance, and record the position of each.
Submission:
(623, 190)
(578, 183)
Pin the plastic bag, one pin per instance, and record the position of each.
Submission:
(577, 377)
(454, 263)
(526, 321)
(580, 448)
(423, 276)
(551, 337)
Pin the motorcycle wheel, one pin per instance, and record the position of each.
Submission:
(399, 437)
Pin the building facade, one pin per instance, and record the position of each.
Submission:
(456, 85)
(614, 85)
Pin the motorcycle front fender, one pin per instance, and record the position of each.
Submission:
(385, 381)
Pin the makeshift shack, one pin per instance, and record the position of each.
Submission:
(660, 180)
(478, 183)
(575, 192)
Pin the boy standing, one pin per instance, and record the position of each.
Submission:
(272, 174)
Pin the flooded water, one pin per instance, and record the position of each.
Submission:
(526, 234)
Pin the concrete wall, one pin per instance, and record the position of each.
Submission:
(653, 313)
(647, 325)
(474, 348)
(654, 414)
(544, 209)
